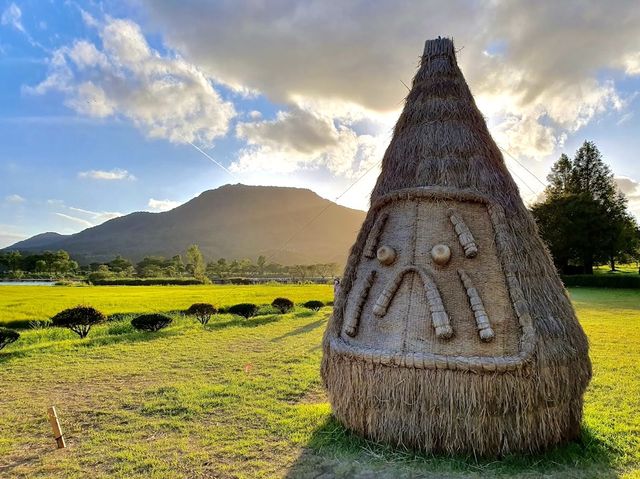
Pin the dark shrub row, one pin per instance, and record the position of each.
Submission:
(283, 305)
(8, 336)
(81, 318)
(202, 312)
(78, 319)
(313, 305)
(145, 281)
(151, 322)
(246, 310)
(602, 281)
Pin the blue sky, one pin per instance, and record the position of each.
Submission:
(103, 102)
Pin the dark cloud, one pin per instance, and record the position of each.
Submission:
(296, 129)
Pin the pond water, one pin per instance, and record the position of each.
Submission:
(27, 283)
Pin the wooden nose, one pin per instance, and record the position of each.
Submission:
(441, 254)
(386, 255)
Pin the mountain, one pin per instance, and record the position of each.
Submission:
(37, 241)
(287, 225)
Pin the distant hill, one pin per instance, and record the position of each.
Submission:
(233, 221)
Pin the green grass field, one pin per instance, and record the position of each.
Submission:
(244, 398)
(631, 269)
(20, 304)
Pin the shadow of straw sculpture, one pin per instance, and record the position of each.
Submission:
(301, 330)
(335, 451)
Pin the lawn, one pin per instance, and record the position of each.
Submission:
(21, 304)
(243, 398)
(631, 269)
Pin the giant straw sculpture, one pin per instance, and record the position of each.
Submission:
(452, 331)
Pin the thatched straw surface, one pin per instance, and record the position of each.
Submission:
(458, 336)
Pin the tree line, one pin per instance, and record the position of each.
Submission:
(584, 217)
(48, 263)
(192, 264)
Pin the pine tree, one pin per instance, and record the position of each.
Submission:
(584, 216)
(560, 176)
(195, 262)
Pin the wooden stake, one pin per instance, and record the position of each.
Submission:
(55, 426)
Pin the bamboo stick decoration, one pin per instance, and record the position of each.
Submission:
(55, 426)
(467, 241)
(351, 325)
(372, 241)
(482, 319)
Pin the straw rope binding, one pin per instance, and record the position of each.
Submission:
(372, 243)
(482, 319)
(351, 326)
(465, 237)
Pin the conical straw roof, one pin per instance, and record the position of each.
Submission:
(441, 137)
(403, 361)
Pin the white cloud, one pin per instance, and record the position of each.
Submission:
(88, 19)
(10, 234)
(7, 239)
(110, 175)
(12, 15)
(296, 129)
(75, 219)
(14, 199)
(162, 205)
(86, 55)
(97, 216)
(165, 96)
(543, 82)
(302, 139)
(88, 218)
(631, 189)
(632, 63)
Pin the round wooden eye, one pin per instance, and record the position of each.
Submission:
(386, 255)
(441, 254)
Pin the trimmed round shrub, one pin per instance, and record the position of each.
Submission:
(246, 310)
(314, 305)
(151, 322)
(8, 336)
(202, 312)
(283, 305)
(78, 319)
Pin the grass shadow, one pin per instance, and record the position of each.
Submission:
(76, 344)
(337, 452)
(242, 322)
(128, 336)
(301, 330)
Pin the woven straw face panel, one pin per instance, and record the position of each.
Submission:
(397, 302)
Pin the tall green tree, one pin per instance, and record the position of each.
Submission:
(120, 265)
(195, 262)
(178, 264)
(10, 260)
(584, 216)
(261, 263)
(561, 176)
